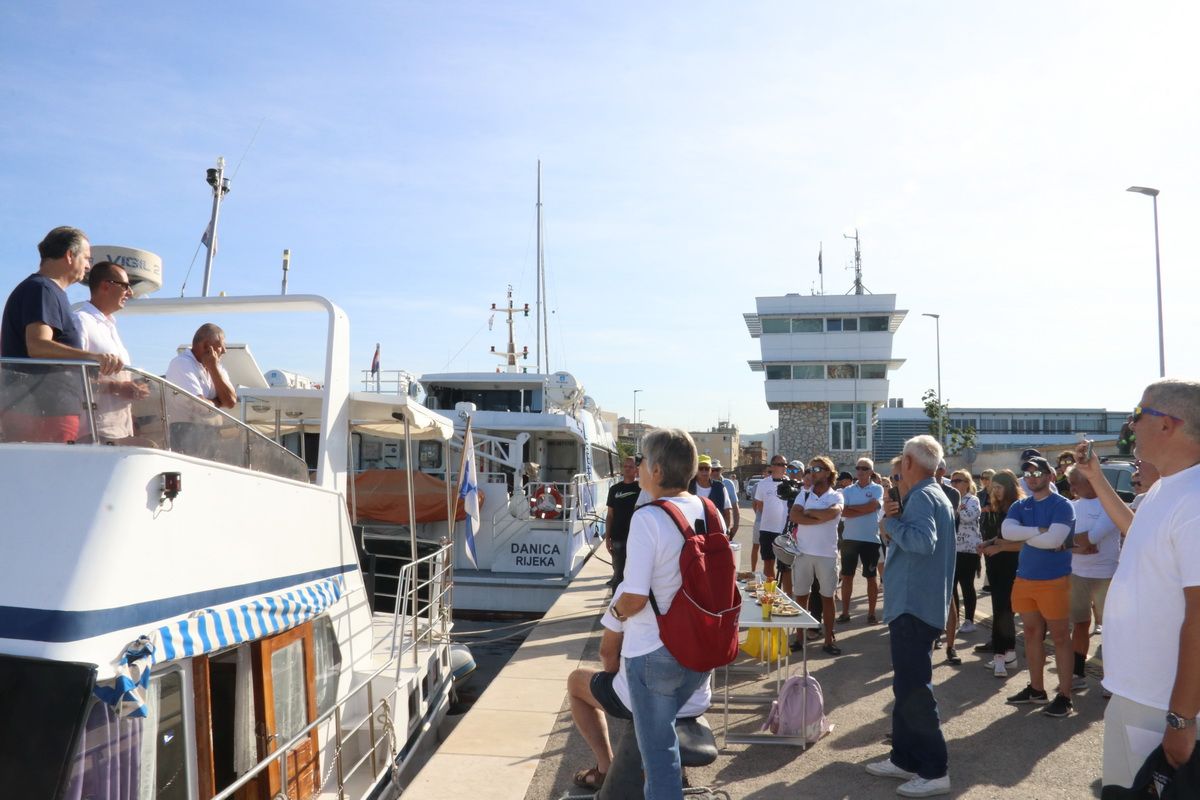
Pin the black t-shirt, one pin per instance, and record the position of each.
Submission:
(37, 299)
(622, 499)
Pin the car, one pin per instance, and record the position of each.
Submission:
(751, 485)
(1119, 473)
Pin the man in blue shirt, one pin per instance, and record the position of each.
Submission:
(860, 537)
(920, 568)
(1045, 523)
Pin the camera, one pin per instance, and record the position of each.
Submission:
(788, 489)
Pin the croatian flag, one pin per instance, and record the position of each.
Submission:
(375, 361)
(468, 492)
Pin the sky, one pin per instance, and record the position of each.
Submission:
(695, 156)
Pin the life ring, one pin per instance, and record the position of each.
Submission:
(546, 502)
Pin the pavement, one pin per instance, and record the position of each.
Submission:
(996, 750)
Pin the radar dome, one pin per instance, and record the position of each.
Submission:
(563, 390)
(143, 267)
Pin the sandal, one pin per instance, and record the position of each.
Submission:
(871, 619)
(832, 649)
(591, 778)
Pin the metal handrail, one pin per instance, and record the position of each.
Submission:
(443, 556)
(225, 418)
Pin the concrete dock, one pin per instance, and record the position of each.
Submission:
(518, 741)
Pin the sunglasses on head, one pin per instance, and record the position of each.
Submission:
(1140, 411)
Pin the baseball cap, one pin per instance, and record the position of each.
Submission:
(1038, 463)
(798, 464)
(706, 460)
(845, 476)
(1027, 454)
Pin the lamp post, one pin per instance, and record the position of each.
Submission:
(635, 408)
(937, 321)
(1162, 359)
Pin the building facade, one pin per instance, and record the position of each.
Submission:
(825, 360)
(720, 443)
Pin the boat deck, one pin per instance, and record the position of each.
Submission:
(519, 742)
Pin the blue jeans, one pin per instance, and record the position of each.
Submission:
(658, 688)
(917, 742)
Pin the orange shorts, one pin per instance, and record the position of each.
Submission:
(1051, 599)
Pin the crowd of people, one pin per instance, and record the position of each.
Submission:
(39, 323)
(1051, 543)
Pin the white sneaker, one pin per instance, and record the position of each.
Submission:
(1010, 657)
(998, 668)
(923, 787)
(968, 627)
(886, 769)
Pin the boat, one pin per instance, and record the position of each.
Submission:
(185, 613)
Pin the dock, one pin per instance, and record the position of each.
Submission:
(518, 742)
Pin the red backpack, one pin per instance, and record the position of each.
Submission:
(701, 627)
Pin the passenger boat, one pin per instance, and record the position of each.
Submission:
(183, 614)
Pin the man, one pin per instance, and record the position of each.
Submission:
(199, 369)
(730, 494)
(1066, 459)
(622, 499)
(703, 485)
(1044, 522)
(38, 323)
(593, 693)
(1152, 626)
(110, 288)
(774, 514)
(844, 480)
(1097, 547)
(1025, 456)
(920, 566)
(955, 499)
(860, 537)
(816, 520)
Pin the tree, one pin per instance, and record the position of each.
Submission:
(626, 449)
(957, 439)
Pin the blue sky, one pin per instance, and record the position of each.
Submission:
(694, 155)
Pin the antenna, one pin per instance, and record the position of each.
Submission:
(821, 265)
(510, 356)
(858, 287)
(220, 187)
(287, 260)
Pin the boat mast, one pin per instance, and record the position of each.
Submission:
(220, 187)
(543, 332)
(510, 356)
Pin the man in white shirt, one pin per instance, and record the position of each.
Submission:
(195, 428)
(1097, 547)
(774, 511)
(817, 542)
(731, 496)
(1152, 626)
(110, 288)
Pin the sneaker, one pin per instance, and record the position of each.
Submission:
(1098, 630)
(925, 787)
(986, 647)
(886, 769)
(1061, 707)
(843, 619)
(952, 657)
(1078, 683)
(968, 627)
(1030, 695)
(1010, 657)
(998, 668)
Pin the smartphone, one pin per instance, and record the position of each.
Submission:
(894, 494)
(1088, 455)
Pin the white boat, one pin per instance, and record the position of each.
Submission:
(184, 615)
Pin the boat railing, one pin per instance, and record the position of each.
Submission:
(70, 402)
(430, 623)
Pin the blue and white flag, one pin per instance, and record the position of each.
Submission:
(468, 493)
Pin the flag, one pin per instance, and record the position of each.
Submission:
(375, 361)
(208, 240)
(468, 493)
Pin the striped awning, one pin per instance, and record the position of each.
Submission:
(210, 629)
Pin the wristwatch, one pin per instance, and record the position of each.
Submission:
(1179, 723)
(621, 617)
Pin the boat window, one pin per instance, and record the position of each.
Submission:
(602, 462)
(287, 678)
(429, 455)
(329, 663)
(135, 758)
(488, 399)
(55, 694)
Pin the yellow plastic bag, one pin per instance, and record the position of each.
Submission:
(767, 644)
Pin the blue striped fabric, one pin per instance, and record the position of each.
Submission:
(207, 630)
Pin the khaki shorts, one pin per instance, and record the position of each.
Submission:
(1085, 593)
(1051, 599)
(823, 568)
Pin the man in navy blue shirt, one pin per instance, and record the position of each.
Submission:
(38, 323)
(1044, 522)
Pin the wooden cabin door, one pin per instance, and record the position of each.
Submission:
(286, 667)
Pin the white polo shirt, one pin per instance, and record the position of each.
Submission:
(98, 334)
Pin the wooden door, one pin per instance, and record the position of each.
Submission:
(285, 665)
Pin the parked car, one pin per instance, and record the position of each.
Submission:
(751, 485)
(1119, 473)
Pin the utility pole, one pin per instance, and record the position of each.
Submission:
(858, 287)
(937, 320)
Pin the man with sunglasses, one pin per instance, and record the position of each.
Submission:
(774, 511)
(860, 537)
(816, 520)
(110, 288)
(1041, 593)
(1152, 613)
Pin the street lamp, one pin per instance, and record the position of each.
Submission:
(1162, 359)
(635, 408)
(937, 321)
